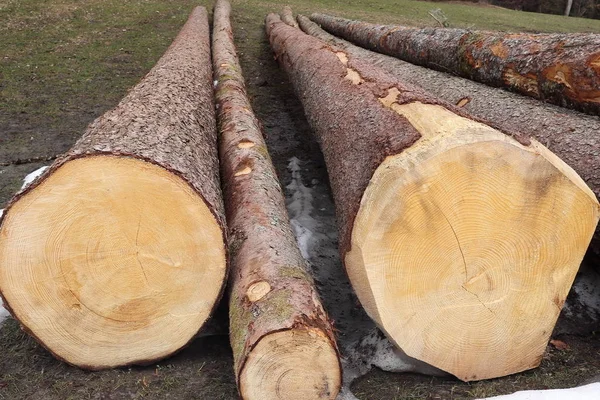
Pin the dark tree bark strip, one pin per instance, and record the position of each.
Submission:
(287, 16)
(281, 337)
(563, 69)
(116, 255)
(426, 197)
(573, 136)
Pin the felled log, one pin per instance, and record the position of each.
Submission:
(571, 135)
(287, 16)
(563, 69)
(283, 343)
(460, 241)
(116, 255)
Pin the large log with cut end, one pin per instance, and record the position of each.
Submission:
(560, 68)
(282, 340)
(453, 233)
(116, 255)
(569, 134)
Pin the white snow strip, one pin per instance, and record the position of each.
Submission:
(300, 208)
(33, 176)
(587, 392)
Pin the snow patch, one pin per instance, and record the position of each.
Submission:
(300, 208)
(33, 176)
(587, 392)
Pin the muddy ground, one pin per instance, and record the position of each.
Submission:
(204, 369)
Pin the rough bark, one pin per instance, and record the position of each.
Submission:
(287, 16)
(166, 120)
(367, 124)
(563, 69)
(571, 135)
(271, 288)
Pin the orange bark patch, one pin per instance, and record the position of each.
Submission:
(527, 83)
(559, 73)
(595, 63)
(499, 50)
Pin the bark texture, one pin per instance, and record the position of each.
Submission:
(353, 129)
(263, 247)
(571, 135)
(560, 68)
(287, 16)
(167, 119)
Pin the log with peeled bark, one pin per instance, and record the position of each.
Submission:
(563, 69)
(287, 16)
(283, 343)
(571, 135)
(116, 255)
(460, 241)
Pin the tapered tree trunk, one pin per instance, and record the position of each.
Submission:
(560, 68)
(283, 344)
(449, 228)
(568, 7)
(116, 255)
(571, 135)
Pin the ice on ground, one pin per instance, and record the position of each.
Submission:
(300, 208)
(587, 392)
(33, 176)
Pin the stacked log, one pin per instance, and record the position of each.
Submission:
(569, 134)
(288, 17)
(281, 338)
(461, 241)
(560, 68)
(116, 254)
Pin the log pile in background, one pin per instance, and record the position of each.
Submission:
(116, 255)
(573, 136)
(448, 227)
(281, 337)
(560, 68)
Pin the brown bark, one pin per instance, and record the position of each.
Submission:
(569, 134)
(563, 69)
(287, 16)
(271, 288)
(167, 120)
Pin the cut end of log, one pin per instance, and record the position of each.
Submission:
(111, 261)
(466, 245)
(296, 364)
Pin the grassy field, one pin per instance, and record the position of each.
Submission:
(65, 62)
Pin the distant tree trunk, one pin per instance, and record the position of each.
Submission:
(568, 8)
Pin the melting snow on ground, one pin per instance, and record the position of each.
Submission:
(587, 392)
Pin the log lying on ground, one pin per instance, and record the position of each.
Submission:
(288, 17)
(560, 68)
(283, 344)
(571, 135)
(116, 254)
(460, 240)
